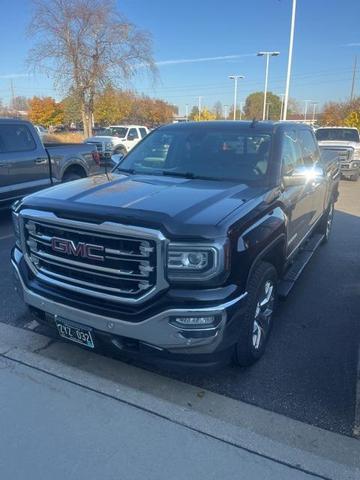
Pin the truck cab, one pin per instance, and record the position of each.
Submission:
(181, 252)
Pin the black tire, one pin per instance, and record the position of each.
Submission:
(355, 177)
(326, 223)
(255, 333)
(69, 177)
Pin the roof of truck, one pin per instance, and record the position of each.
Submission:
(231, 125)
(127, 126)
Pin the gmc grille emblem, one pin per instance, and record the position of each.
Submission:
(80, 249)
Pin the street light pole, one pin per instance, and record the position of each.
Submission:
(291, 45)
(241, 106)
(235, 78)
(282, 95)
(314, 109)
(267, 110)
(305, 108)
(267, 55)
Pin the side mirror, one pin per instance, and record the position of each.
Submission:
(117, 157)
(302, 175)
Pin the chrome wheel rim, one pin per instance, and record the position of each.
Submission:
(263, 313)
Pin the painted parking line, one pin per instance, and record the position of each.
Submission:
(5, 237)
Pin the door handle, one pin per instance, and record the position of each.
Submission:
(40, 161)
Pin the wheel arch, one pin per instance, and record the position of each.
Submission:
(74, 168)
(274, 253)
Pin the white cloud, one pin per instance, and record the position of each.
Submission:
(202, 59)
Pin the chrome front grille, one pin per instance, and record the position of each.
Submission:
(345, 155)
(109, 260)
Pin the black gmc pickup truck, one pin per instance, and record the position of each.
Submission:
(181, 252)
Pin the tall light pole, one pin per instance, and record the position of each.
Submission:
(305, 108)
(313, 113)
(291, 45)
(199, 108)
(235, 78)
(282, 95)
(267, 55)
(241, 106)
(267, 110)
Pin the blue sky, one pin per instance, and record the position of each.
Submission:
(228, 34)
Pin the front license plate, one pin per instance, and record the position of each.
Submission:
(75, 333)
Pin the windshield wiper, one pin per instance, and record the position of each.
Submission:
(125, 170)
(189, 175)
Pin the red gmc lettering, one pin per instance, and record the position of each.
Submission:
(81, 249)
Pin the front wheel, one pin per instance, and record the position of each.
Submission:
(257, 323)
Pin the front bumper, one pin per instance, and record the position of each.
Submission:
(154, 333)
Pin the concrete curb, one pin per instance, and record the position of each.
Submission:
(300, 446)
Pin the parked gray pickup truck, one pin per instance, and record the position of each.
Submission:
(27, 165)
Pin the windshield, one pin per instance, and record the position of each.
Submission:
(344, 134)
(120, 132)
(240, 155)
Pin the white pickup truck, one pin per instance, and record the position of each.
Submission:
(117, 139)
(346, 142)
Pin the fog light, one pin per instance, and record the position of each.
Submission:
(208, 321)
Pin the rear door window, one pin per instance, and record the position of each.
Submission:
(16, 138)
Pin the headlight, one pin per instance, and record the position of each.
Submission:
(16, 226)
(355, 164)
(189, 262)
(356, 155)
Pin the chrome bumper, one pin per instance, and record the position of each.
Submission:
(155, 331)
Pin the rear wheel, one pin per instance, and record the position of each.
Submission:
(257, 323)
(355, 177)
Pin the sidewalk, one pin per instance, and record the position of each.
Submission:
(67, 413)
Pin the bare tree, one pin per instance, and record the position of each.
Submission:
(85, 45)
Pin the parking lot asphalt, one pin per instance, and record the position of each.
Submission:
(309, 370)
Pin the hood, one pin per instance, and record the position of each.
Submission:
(339, 143)
(103, 138)
(174, 204)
